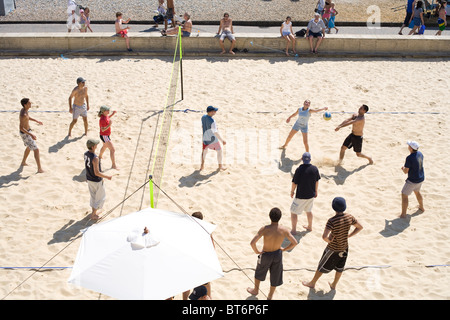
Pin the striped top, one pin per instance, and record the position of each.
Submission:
(340, 225)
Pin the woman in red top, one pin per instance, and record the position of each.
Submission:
(105, 132)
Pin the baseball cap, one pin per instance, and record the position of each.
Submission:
(104, 108)
(92, 142)
(306, 158)
(414, 145)
(211, 108)
(80, 79)
(339, 204)
(198, 292)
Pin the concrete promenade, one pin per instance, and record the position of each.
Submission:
(53, 39)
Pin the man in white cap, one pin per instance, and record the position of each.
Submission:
(414, 169)
(305, 185)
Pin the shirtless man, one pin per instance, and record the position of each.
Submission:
(354, 139)
(271, 255)
(226, 26)
(80, 108)
(186, 27)
(29, 139)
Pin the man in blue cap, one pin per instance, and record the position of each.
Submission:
(336, 234)
(211, 137)
(305, 184)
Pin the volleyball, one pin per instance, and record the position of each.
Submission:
(327, 115)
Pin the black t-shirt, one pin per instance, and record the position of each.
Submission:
(305, 178)
(90, 174)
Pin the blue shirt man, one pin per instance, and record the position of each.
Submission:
(414, 169)
(211, 137)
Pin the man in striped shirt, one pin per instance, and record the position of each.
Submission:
(336, 234)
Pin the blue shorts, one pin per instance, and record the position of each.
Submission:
(298, 127)
(286, 33)
(185, 33)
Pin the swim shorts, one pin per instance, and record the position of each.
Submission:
(300, 205)
(332, 260)
(227, 34)
(185, 34)
(28, 141)
(213, 146)
(123, 33)
(354, 142)
(409, 187)
(105, 139)
(79, 111)
(272, 261)
(315, 34)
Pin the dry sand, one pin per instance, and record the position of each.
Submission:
(42, 213)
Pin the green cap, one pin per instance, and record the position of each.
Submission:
(92, 142)
(104, 108)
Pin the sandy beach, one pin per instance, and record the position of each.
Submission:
(391, 258)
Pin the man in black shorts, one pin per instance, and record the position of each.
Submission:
(355, 139)
(270, 257)
(336, 235)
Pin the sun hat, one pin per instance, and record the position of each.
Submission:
(413, 144)
(339, 204)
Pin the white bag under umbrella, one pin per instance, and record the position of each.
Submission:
(118, 259)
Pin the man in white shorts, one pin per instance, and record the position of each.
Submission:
(28, 138)
(306, 181)
(80, 105)
(226, 26)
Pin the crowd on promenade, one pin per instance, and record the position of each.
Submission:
(322, 23)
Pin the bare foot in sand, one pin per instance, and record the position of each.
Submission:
(252, 291)
(232, 52)
(40, 170)
(23, 164)
(283, 147)
(331, 286)
(94, 217)
(222, 168)
(308, 228)
(308, 284)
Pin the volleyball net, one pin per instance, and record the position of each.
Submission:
(175, 90)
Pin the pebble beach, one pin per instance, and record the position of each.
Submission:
(209, 10)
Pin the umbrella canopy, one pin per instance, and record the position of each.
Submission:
(119, 259)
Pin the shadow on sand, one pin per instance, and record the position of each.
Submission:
(196, 179)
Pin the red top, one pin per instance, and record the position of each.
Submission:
(104, 122)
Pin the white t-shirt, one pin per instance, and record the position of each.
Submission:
(287, 26)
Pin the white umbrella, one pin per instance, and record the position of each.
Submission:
(118, 259)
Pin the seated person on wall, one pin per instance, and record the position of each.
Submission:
(316, 29)
(226, 26)
(186, 27)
